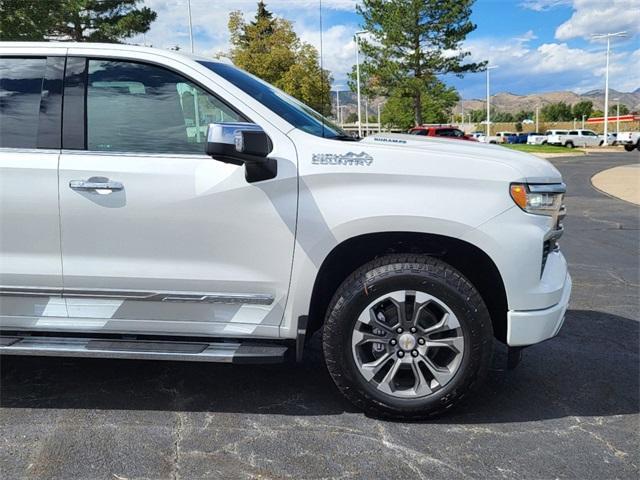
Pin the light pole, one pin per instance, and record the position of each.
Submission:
(608, 36)
(357, 37)
(366, 114)
(190, 24)
(338, 105)
(379, 123)
(537, 117)
(583, 117)
(489, 102)
(617, 100)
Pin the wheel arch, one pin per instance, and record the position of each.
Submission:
(354, 252)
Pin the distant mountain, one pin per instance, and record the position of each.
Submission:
(512, 103)
(508, 102)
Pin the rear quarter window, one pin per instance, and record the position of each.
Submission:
(20, 93)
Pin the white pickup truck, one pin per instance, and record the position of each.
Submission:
(630, 140)
(128, 233)
(575, 138)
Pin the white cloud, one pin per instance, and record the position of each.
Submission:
(600, 16)
(552, 66)
(543, 5)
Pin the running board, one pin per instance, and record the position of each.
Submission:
(224, 352)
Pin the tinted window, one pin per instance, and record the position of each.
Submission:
(133, 107)
(20, 92)
(418, 132)
(573, 132)
(293, 111)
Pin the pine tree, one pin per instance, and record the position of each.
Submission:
(77, 20)
(411, 42)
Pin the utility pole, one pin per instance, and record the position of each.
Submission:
(608, 36)
(190, 25)
(537, 118)
(583, 116)
(379, 123)
(489, 102)
(357, 37)
(617, 100)
(338, 105)
(366, 115)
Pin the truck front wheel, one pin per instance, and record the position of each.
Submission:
(407, 336)
(629, 147)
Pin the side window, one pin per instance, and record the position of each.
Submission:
(573, 132)
(135, 107)
(20, 92)
(418, 132)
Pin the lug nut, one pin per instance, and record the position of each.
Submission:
(399, 330)
(393, 341)
(421, 341)
(414, 353)
(413, 330)
(400, 354)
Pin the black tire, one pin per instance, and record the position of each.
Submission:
(569, 145)
(544, 142)
(629, 148)
(411, 272)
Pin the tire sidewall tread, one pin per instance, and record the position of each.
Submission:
(439, 279)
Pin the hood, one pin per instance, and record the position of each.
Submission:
(532, 168)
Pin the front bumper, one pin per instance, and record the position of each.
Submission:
(534, 326)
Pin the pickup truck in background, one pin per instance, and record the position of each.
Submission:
(536, 138)
(630, 140)
(575, 138)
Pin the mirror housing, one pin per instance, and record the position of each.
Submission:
(242, 144)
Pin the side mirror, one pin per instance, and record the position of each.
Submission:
(242, 144)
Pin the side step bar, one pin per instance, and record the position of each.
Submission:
(224, 352)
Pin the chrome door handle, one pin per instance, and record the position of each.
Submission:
(96, 183)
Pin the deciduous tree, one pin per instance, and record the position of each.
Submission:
(269, 48)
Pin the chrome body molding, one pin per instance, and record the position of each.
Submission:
(192, 297)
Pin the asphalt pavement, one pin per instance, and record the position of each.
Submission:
(570, 410)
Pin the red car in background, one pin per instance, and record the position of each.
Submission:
(445, 131)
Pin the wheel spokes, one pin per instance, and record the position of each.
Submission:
(448, 322)
(371, 369)
(454, 343)
(442, 375)
(386, 383)
(361, 338)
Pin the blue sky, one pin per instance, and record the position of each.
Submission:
(539, 45)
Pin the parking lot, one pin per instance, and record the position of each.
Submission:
(570, 410)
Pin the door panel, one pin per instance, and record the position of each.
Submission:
(186, 246)
(30, 262)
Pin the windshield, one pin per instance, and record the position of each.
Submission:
(293, 111)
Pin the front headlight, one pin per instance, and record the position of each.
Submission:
(539, 199)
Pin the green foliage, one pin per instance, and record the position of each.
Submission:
(351, 118)
(523, 115)
(613, 109)
(597, 113)
(412, 41)
(398, 110)
(556, 112)
(269, 48)
(518, 127)
(77, 20)
(582, 108)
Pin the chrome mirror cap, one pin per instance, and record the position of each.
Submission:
(225, 133)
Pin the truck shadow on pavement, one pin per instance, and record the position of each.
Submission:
(590, 369)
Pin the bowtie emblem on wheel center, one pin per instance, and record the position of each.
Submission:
(407, 341)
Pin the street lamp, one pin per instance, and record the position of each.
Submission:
(608, 36)
(583, 117)
(190, 25)
(489, 101)
(357, 37)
